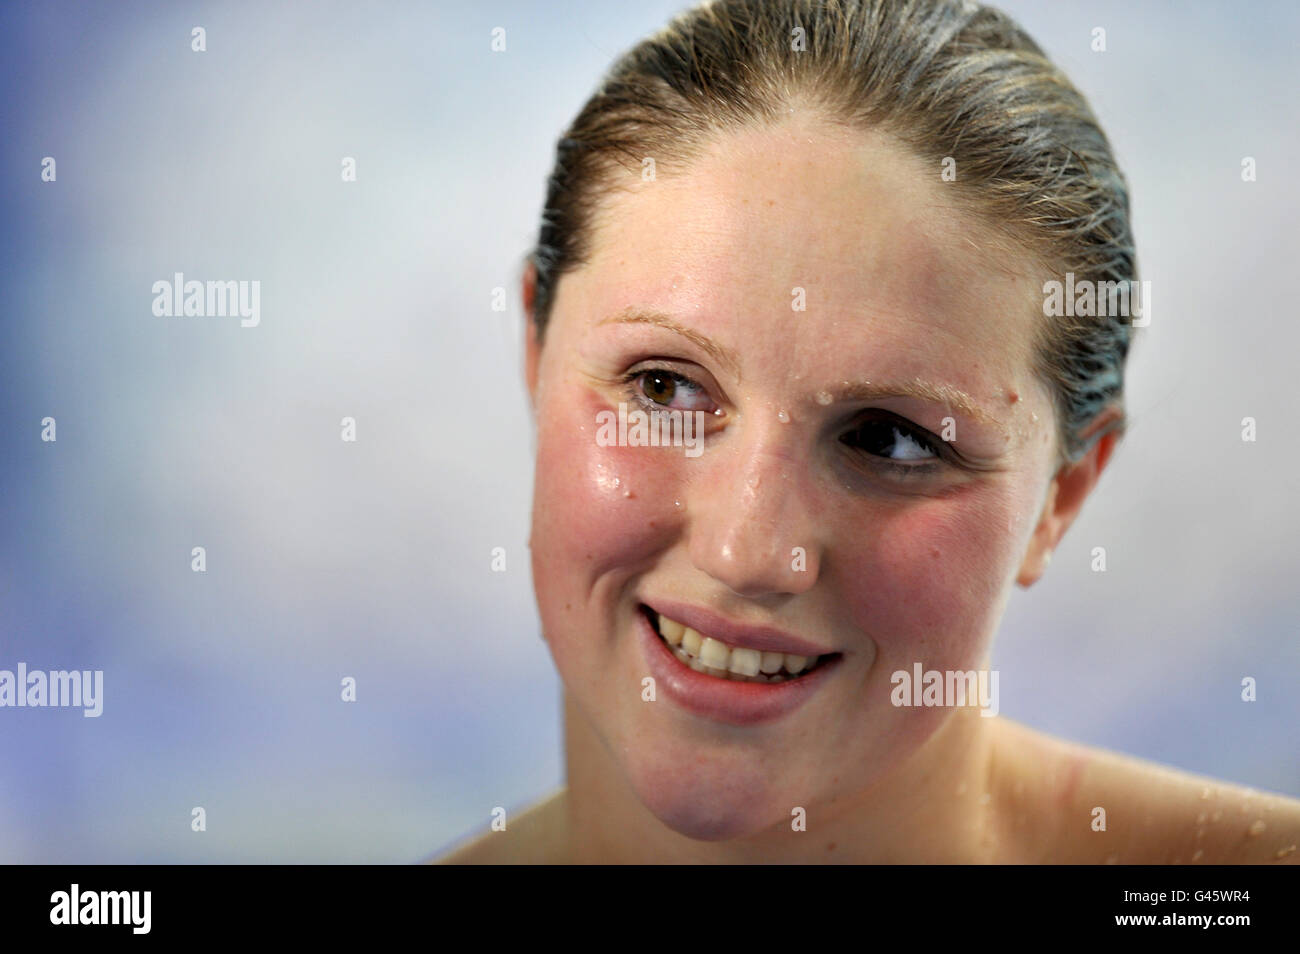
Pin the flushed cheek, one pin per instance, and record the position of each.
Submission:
(600, 516)
(924, 580)
(602, 507)
(933, 578)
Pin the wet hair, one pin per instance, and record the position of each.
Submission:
(945, 78)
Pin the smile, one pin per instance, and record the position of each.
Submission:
(718, 659)
(756, 675)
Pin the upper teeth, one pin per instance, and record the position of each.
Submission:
(707, 654)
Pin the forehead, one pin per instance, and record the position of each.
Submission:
(887, 261)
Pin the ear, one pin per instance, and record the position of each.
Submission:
(1065, 496)
(532, 347)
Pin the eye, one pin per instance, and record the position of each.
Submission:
(893, 439)
(661, 387)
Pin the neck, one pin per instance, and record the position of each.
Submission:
(934, 808)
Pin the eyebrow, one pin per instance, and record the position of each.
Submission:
(633, 314)
(917, 388)
(920, 389)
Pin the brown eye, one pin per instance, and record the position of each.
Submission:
(658, 387)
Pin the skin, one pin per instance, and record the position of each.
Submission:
(900, 284)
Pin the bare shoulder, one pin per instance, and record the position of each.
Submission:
(535, 836)
(1077, 804)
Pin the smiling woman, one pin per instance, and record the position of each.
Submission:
(837, 254)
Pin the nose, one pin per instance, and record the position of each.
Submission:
(752, 523)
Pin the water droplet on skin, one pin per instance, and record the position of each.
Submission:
(752, 481)
(1283, 852)
(1196, 856)
(1034, 417)
(627, 494)
(677, 504)
(823, 398)
(783, 416)
(1257, 828)
(616, 482)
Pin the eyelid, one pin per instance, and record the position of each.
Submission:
(683, 369)
(945, 456)
(664, 366)
(905, 471)
(946, 462)
(942, 450)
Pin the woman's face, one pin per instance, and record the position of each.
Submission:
(822, 300)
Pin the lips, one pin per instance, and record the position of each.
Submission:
(724, 661)
(728, 696)
(758, 637)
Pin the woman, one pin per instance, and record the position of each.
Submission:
(823, 234)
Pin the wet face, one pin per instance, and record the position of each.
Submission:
(876, 452)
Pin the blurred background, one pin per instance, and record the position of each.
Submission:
(371, 560)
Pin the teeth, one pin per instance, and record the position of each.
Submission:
(671, 630)
(714, 653)
(714, 657)
(744, 661)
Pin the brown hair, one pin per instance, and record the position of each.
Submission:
(947, 78)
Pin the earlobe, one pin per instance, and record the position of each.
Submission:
(1065, 496)
(1044, 540)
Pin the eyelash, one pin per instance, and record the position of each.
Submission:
(644, 401)
(883, 464)
(924, 438)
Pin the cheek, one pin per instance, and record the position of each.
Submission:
(931, 579)
(600, 514)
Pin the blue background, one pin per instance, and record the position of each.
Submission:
(327, 559)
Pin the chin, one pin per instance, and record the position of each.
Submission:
(710, 799)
